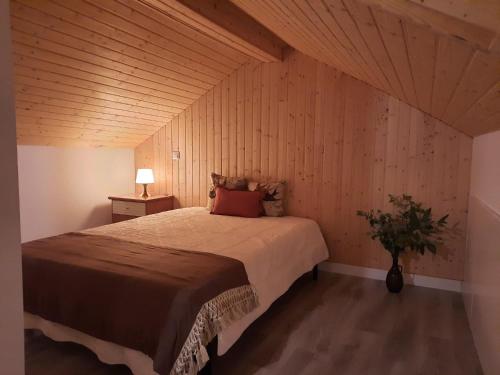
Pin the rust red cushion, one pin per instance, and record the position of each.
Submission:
(237, 203)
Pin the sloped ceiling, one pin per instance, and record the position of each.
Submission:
(107, 73)
(111, 73)
(434, 61)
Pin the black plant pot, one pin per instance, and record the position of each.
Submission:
(394, 279)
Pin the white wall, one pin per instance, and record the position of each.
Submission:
(482, 266)
(485, 173)
(67, 189)
(11, 309)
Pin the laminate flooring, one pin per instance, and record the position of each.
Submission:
(337, 325)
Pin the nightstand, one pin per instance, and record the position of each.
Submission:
(130, 207)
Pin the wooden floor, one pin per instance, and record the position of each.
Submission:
(338, 325)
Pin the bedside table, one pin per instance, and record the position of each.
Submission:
(130, 207)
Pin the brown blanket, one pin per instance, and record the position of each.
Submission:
(139, 296)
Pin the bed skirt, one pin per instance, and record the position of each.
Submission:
(107, 352)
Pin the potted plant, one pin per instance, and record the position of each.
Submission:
(411, 227)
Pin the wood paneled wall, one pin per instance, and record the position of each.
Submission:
(340, 144)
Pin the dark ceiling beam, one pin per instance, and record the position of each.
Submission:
(224, 21)
(467, 20)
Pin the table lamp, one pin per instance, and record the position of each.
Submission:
(145, 177)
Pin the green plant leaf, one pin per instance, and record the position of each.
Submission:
(411, 227)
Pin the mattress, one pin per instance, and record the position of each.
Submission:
(274, 250)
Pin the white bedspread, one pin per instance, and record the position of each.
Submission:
(275, 250)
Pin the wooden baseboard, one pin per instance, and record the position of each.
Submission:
(378, 274)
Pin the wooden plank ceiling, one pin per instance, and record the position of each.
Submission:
(421, 52)
(111, 73)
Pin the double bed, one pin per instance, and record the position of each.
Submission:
(274, 252)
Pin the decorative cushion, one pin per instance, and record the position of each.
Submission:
(274, 196)
(230, 183)
(237, 203)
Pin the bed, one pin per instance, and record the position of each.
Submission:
(274, 251)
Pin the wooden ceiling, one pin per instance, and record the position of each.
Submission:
(111, 73)
(413, 50)
(107, 73)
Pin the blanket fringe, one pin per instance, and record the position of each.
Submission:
(213, 317)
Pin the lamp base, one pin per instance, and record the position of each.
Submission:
(145, 191)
